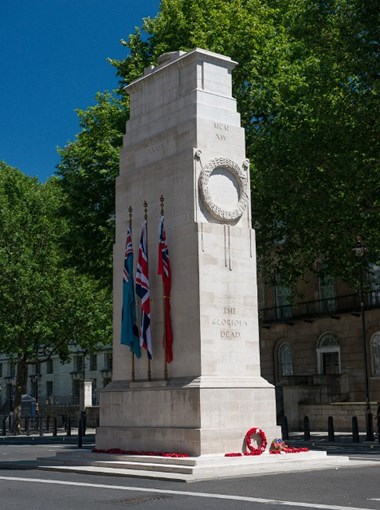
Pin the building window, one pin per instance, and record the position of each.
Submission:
(285, 360)
(375, 353)
(49, 389)
(11, 369)
(79, 363)
(93, 362)
(94, 392)
(374, 284)
(328, 354)
(108, 361)
(327, 294)
(283, 299)
(49, 366)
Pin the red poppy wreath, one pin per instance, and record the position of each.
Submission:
(261, 444)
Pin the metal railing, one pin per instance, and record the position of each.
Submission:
(312, 309)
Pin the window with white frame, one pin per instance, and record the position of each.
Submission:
(328, 354)
(285, 359)
(375, 353)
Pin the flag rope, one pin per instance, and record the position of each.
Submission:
(133, 372)
(146, 222)
(166, 373)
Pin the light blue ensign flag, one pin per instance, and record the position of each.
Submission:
(129, 331)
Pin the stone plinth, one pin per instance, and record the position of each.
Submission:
(184, 141)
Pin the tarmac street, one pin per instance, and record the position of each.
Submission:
(339, 489)
(22, 485)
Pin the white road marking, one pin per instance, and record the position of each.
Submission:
(184, 493)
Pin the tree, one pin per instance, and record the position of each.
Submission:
(307, 86)
(46, 308)
(88, 169)
(316, 154)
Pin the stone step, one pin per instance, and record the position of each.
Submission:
(191, 468)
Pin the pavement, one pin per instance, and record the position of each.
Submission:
(48, 438)
(317, 441)
(320, 441)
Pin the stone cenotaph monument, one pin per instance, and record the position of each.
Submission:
(184, 142)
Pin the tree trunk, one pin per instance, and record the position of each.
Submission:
(21, 380)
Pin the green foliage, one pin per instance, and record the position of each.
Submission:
(316, 164)
(45, 306)
(88, 169)
(307, 87)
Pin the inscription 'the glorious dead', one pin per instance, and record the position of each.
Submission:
(230, 326)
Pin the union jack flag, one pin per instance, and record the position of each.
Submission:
(165, 272)
(129, 332)
(142, 290)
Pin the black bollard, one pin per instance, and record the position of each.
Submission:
(369, 427)
(47, 423)
(355, 430)
(55, 426)
(80, 432)
(306, 429)
(4, 426)
(41, 427)
(330, 428)
(83, 418)
(27, 425)
(68, 427)
(284, 428)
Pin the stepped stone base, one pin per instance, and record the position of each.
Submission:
(206, 467)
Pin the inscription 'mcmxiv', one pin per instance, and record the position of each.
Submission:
(157, 144)
(221, 128)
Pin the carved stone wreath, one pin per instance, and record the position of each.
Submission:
(241, 178)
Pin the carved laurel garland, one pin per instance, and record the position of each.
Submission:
(241, 177)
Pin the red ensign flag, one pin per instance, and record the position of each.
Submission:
(164, 271)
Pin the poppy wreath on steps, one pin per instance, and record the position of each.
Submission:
(261, 443)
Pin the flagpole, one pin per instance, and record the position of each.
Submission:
(166, 375)
(146, 219)
(133, 373)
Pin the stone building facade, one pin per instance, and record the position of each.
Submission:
(56, 383)
(313, 351)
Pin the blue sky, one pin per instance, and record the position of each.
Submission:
(53, 60)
